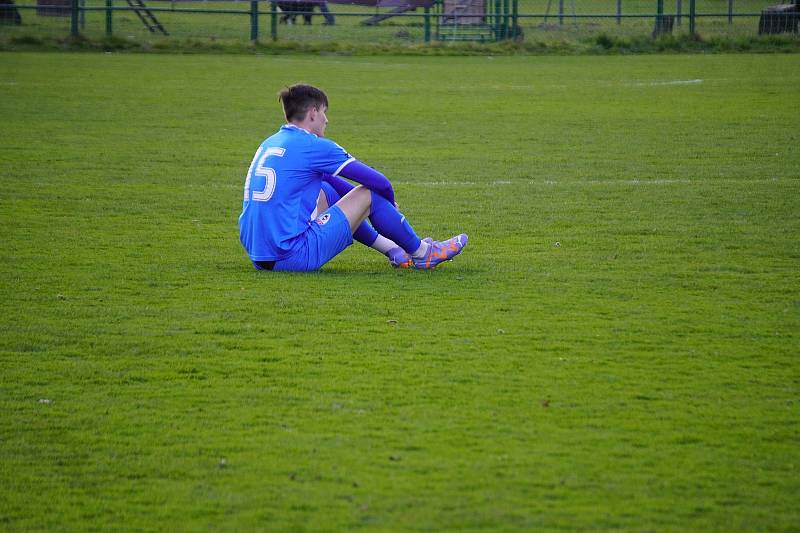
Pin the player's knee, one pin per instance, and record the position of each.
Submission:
(363, 195)
(356, 205)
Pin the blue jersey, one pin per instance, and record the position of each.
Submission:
(281, 190)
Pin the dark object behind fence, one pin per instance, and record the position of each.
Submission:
(664, 24)
(9, 13)
(292, 8)
(782, 18)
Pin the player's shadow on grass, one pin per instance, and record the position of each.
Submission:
(372, 272)
(445, 273)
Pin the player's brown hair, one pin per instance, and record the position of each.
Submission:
(299, 98)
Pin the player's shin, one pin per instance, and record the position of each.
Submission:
(366, 234)
(391, 223)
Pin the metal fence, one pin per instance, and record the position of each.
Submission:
(315, 21)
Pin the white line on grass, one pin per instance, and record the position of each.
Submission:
(537, 182)
(588, 181)
(332, 60)
(661, 83)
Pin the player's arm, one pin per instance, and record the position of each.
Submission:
(339, 185)
(367, 176)
(330, 158)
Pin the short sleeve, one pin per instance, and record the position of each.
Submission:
(328, 157)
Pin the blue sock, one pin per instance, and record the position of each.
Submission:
(392, 224)
(364, 233)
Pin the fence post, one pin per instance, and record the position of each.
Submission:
(515, 19)
(427, 23)
(254, 20)
(497, 20)
(274, 20)
(619, 11)
(561, 12)
(730, 12)
(73, 19)
(506, 31)
(679, 9)
(692, 13)
(109, 18)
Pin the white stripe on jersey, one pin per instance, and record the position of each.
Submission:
(341, 167)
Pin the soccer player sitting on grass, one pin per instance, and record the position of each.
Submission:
(298, 213)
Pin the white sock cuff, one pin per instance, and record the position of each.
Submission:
(383, 245)
(422, 250)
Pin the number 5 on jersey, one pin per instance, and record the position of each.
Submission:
(262, 170)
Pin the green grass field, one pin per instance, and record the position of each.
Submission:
(617, 348)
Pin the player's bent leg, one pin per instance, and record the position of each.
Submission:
(333, 189)
(361, 202)
(390, 223)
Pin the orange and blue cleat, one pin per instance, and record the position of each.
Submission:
(399, 258)
(440, 251)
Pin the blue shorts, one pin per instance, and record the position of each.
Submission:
(324, 239)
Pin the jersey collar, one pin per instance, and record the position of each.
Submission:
(295, 127)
